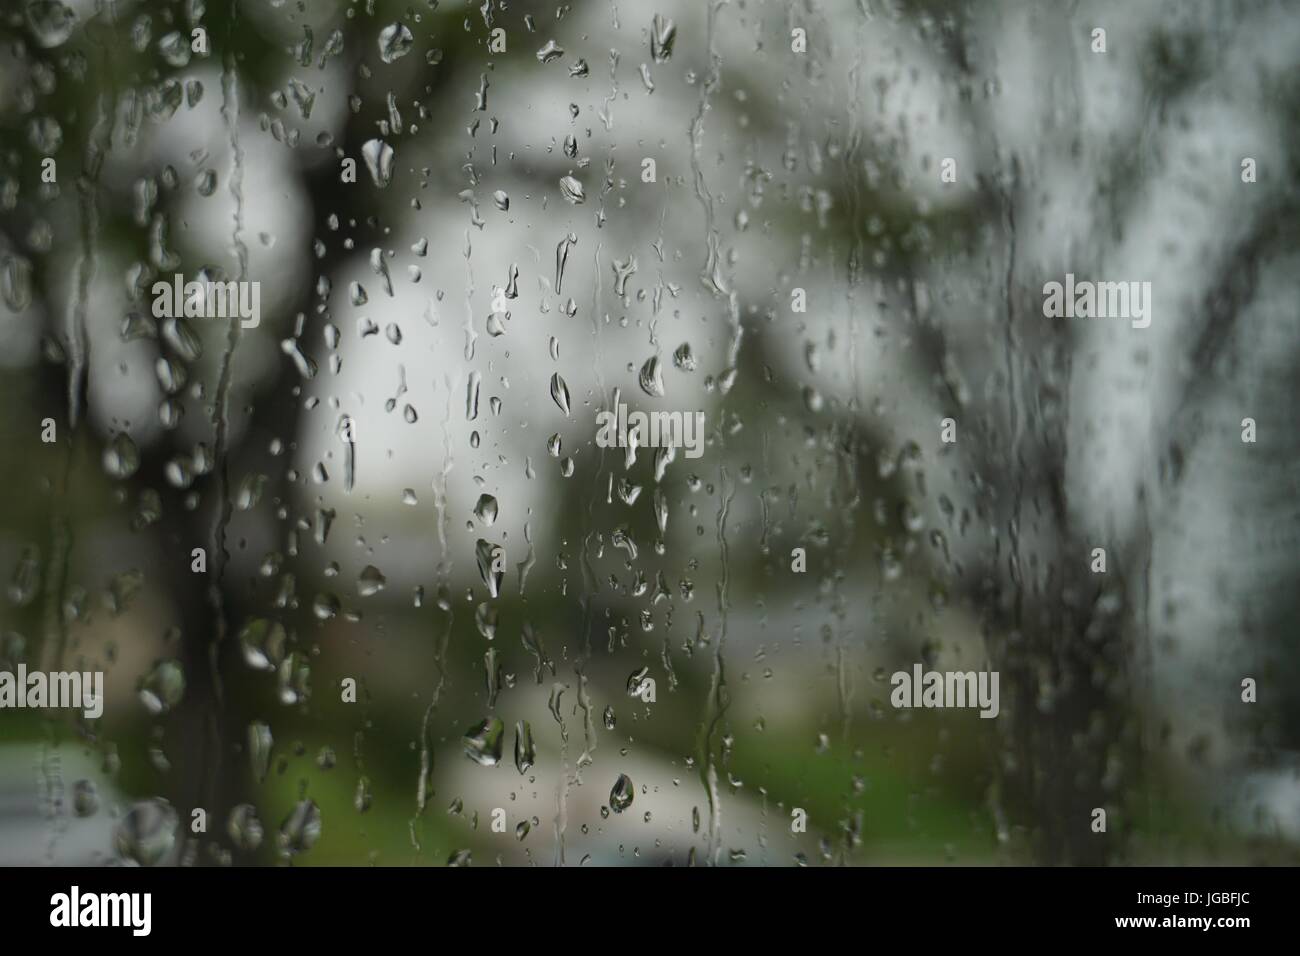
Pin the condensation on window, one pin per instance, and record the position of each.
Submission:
(593, 433)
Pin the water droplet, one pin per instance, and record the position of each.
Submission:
(652, 377)
(175, 48)
(51, 22)
(245, 827)
(485, 619)
(16, 282)
(301, 828)
(371, 581)
(486, 510)
(260, 744)
(250, 491)
(26, 582)
(560, 393)
(525, 748)
(562, 259)
(483, 742)
(551, 51)
(486, 554)
(85, 798)
(362, 798)
(572, 190)
(379, 160)
(184, 341)
(662, 34)
(325, 606)
(623, 268)
(620, 795)
(395, 42)
(163, 687)
(147, 832)
(121, 457)
(294, 679)
(263, 641)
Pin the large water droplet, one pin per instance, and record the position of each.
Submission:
(263, 641)
(379, 160)
(486, 510)
(51, 22)
(551, 51)
(623, 268)
(562, 259)
(395, 42)
(245, 827)
(147, 832)
(652, 377)
(85, 798)
(121, 457)
(488, 555)
(572, 190)
(301, 828)
(525, 748)
(483, 742)
(662, 34)
(560, 393)
(371, 581)
(163, 687)
(620, 796)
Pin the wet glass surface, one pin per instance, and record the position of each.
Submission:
(728, 433)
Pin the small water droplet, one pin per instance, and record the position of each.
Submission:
(260, 744)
